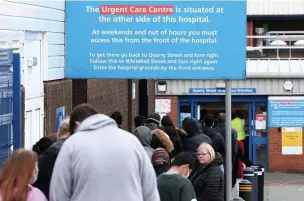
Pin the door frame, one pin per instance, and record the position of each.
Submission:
(253, 140)
(251, 100)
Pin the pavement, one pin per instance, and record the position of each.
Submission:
(284, 187)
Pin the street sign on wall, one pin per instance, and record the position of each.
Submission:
(286, 111)
(156, 39)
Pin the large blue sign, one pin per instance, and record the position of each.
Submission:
(285, 112)
(156, 39)
(221, 91)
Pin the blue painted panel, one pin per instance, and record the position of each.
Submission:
(222, 91)
(190, 40)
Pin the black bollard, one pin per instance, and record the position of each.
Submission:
(249, 175)
(256, 183)
(245, 190)
(261, 182)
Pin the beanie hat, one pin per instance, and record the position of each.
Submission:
(155, 117)
(160, 157)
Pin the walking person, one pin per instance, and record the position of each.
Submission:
(101, 162)
(46, 165)
(17, 176)
(174, 185)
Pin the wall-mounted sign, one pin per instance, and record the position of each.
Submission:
(163, 106)
(60, 116)
(292, 141)
(286, 111)
(156, 39)
(221, 91)
(260, 122)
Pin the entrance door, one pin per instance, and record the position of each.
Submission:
(259, 135)
(34, 93)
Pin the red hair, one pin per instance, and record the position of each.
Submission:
(16, 174)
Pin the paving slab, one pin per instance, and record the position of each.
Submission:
(284, 187)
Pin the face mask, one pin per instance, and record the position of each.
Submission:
(186, 175)
(35, 176)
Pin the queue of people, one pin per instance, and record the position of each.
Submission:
(92, 158)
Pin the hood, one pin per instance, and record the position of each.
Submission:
(152, 126)
(144, 135)
(164, 139)
(218, 160)
(96, 122)
(209, 132)
(193, 127)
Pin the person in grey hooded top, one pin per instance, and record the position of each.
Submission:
(90, 167)
(144, 135)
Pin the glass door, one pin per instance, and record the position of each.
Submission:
(259, 134)
(185, 110)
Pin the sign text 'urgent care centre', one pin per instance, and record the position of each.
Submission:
(156, 39)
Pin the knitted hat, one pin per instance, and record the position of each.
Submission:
(155, 117)
(160, 156)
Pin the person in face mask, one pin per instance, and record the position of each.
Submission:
(174, 184)
(17, 176)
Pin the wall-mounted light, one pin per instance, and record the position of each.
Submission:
(161, 86)
(288, 85)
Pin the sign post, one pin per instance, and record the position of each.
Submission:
(198, 39)
(228, 158)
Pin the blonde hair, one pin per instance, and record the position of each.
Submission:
(64, 127)
(209, 148)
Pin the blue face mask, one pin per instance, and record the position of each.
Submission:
(187, 174)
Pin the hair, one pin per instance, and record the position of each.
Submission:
(184, 120)
(167, 121)
(42, 145)
(17, 173)
(53, 137)
(117, 117)
(64, 127)
(209, 120)
(139, 120)
(221, 118)
(209, 148)
(238, 114)
(184, 158)
(79, 114)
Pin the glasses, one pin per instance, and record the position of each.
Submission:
(202, 154)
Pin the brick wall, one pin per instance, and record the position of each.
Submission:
(151, 96)
(174, 107)
(107, 95)
(56, 94)
(277, 161)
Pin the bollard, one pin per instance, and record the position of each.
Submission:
(261, 182)
(245, 189)
(249, 175)
(256, 183)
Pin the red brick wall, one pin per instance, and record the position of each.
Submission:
(174, 107)
(57, 93)
(277, 161)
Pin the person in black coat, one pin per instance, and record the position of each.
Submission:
(170, 129)
(221, 128)
(218, 142)
(48, 159)
(195, 135)
(209, 180)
